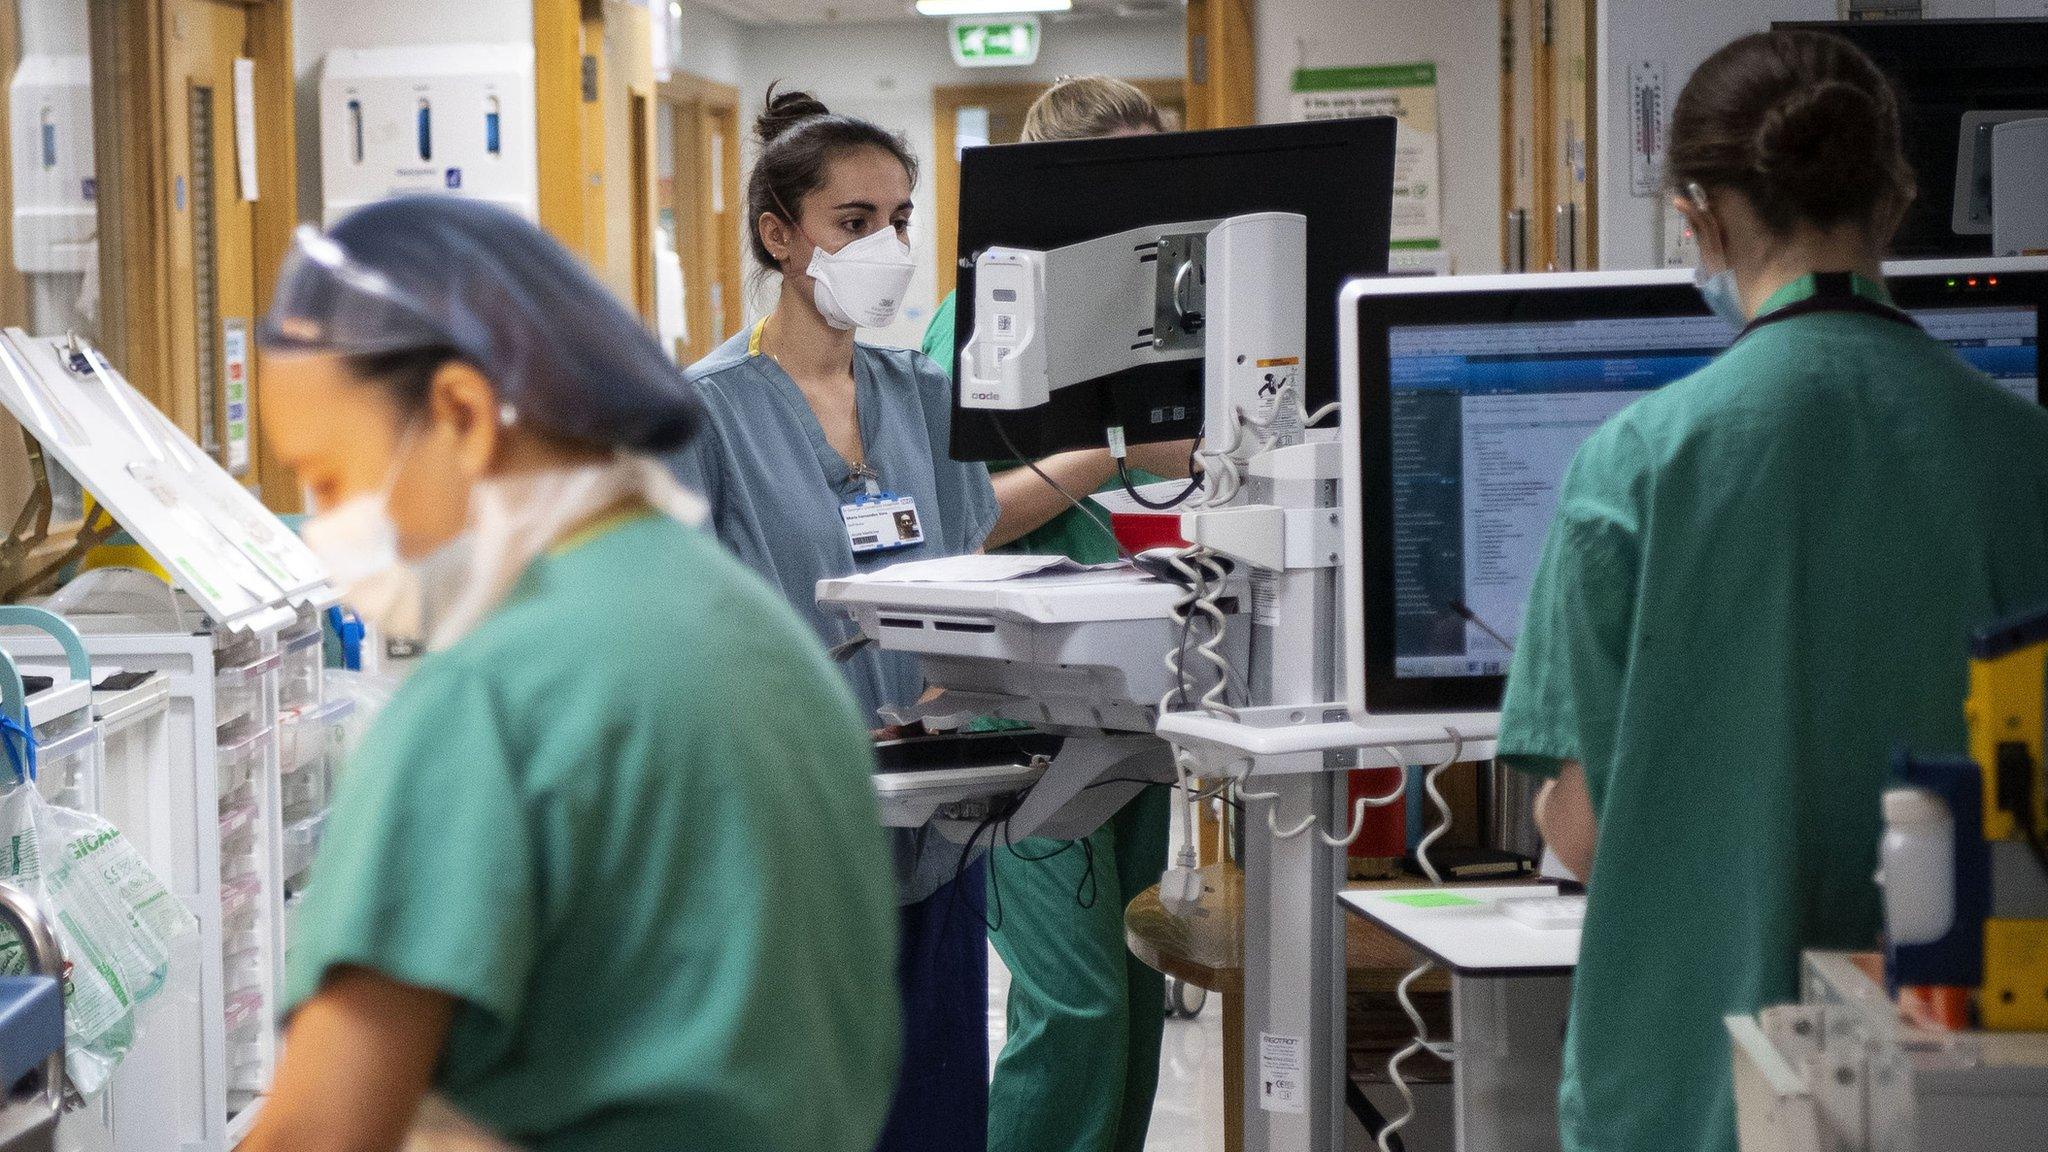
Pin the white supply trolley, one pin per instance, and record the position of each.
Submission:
(234, 644)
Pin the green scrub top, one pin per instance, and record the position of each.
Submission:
(1759, 583)
(665, 910)
(1073, 532)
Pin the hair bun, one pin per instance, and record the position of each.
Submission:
(785, 111)
(1819, 139)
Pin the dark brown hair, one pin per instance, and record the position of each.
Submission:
(1801, 123)
(800, 138)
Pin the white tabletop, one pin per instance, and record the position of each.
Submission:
(1464, 929)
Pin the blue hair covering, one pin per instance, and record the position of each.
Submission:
(557, 346)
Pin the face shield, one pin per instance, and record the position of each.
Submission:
(328, 302)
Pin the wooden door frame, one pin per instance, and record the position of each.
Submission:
(1508, 26)
(13, 284)
(710, 251)
(1583, 93)
(1221, 82)
(1543, 142)
(558, 51)
(947, 100)
(640, 118)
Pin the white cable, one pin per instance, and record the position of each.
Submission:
(1359, 806)
(1422, 1042)
(1205, 578)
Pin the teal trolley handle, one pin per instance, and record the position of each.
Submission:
(13, 697)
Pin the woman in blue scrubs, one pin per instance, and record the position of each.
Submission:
(822, 456)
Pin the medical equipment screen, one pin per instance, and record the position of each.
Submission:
(2004, 343)
(1486, 417)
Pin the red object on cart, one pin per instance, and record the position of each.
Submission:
(1385, 835)
(1137, 531)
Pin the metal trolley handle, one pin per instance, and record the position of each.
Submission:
(45, 958)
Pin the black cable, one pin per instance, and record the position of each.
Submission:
(1088, 882)
(1124, 474)
(1369, 1116)
(1009, 446)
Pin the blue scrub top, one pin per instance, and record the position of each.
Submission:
(775, 487)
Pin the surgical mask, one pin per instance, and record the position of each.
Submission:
(1723, 297)
(358, 541)
(862, 284)
(1718, 289)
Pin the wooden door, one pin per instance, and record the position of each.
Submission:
(703, 199)
(199, 243)
(970, 115)
(1549, 147)
(1574, 206)
(212, 250)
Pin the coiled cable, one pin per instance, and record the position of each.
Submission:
(1421, 1043)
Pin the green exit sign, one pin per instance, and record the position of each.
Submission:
(1009, 42)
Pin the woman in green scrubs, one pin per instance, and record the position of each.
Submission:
(1080, 1063)
(585, 879)
(1758, 584)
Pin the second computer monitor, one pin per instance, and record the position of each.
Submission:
(1465, 400)
(1339, 174)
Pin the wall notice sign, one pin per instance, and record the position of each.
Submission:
(234, 343)
(1009, 42)
(1406, 92)
(1281, 1087)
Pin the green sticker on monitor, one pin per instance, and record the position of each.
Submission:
(1434, 900)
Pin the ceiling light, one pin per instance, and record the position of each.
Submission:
(989, 7)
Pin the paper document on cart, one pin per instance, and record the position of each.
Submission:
(994, 569)
(1126, 504)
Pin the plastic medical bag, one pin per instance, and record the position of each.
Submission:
(113, 916)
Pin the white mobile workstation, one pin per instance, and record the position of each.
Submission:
(226, 796)
(1085, 655)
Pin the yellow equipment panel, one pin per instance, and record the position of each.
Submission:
(2015, 995)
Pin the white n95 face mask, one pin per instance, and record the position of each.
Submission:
(862, 284)
(356, 540)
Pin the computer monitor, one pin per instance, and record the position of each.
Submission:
(1465, 400)
(1337, 173)
(1945, 70)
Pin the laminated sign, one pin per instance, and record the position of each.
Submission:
(1406, 92)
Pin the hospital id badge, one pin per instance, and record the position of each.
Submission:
(881, 523)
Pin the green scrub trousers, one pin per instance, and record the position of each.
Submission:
(1078, 1071)
(1082, 1059)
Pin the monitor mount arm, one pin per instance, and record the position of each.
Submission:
(1231, 292)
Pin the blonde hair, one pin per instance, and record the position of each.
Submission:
(1084, 107)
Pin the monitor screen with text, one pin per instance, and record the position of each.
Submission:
(1485, 419)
